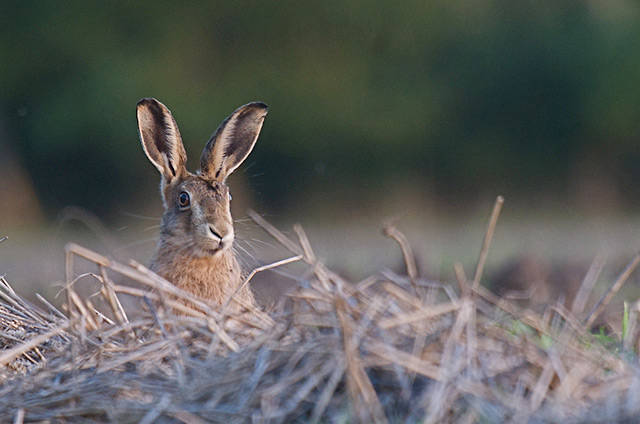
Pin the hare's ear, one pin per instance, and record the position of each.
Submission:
(232, 142)
(161, 139)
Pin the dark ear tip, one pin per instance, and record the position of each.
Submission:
(147, 101)
(258, 105)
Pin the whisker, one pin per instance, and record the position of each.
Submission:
(133, 215)
(251, 256)
(263, 242)
(249, 245)
(246, 168)
(135, 243)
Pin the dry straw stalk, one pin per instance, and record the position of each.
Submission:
(387, 349)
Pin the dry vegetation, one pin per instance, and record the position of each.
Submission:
(389, 348)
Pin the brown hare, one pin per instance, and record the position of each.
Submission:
(195, 248)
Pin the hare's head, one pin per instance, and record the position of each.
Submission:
(197, 218)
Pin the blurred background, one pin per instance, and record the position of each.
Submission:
(417, 111)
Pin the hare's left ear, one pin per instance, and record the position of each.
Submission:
(160, 139)
(232, 142)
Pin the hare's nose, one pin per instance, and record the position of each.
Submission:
(215, 232)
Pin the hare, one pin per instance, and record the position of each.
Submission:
(195, 247)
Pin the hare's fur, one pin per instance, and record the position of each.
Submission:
(195, 249)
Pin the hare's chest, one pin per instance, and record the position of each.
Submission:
(204, 277)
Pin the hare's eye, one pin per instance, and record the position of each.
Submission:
(183, 199)
(230, 198)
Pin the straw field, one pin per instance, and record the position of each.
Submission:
(390, 348)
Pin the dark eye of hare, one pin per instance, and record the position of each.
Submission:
(183, 199)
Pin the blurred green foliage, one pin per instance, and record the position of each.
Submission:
(464, 97)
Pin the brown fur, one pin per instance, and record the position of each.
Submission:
(214, 278)
(195, 251)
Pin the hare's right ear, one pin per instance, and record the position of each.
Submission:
(161, 139)
(232, 142)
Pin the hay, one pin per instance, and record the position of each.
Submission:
(387, 349)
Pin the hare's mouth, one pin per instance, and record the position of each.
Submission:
(213, 252)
